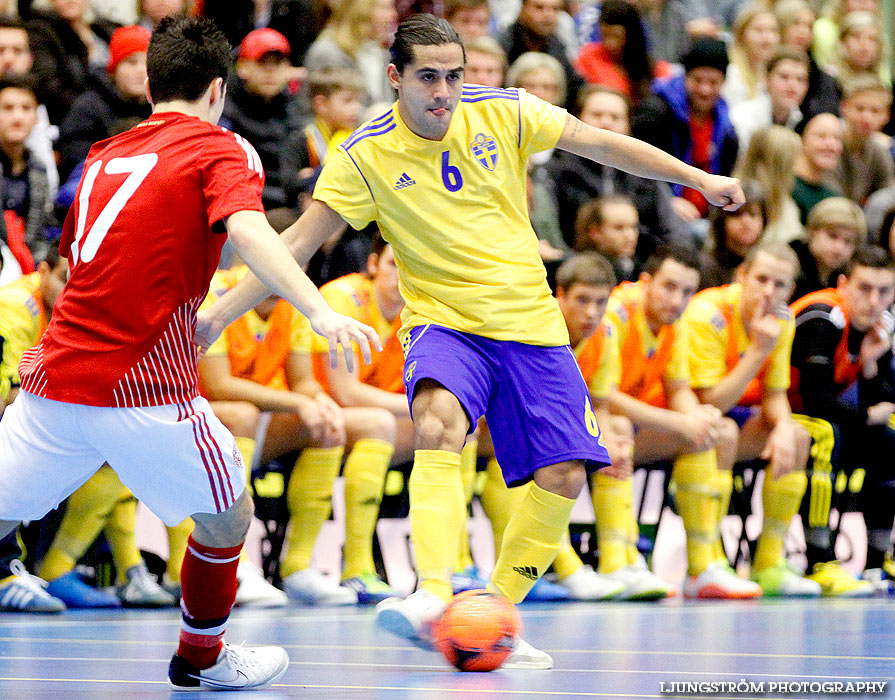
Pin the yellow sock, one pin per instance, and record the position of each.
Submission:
(567, 561)
(85, 515)
(467, 474)
(780, 500)
(613, 501)
(723, 487)
(120, 531)
(694, 478)
(437, 512)
(530, 542)
(309, 496)
(178, 535)
(499, 502)
(365, 470)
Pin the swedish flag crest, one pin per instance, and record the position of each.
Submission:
(484, 148)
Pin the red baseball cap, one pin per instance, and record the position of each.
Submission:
(262, 41)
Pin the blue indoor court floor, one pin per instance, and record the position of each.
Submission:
(600, 650)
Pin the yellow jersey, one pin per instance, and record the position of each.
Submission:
(717, 340)
(455, 212)
(647, 360)
(23, 320)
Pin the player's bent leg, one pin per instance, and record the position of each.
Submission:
(535, 531)
(437, 511)
(531, 540)
(371, 434)
(309, 499)
(203, 659)
(617, 533)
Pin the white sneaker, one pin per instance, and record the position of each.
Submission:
(254, 591)
(237, 668)
(311, 587)
(719, 581)
(639, 583)
(24, 592)
(411, 617)
(142, 590)
(525, 656)
(587, 584)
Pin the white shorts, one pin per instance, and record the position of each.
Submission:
(178, 459)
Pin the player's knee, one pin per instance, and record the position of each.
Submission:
(243, 419)
(382, 425)
(225, 529)
(728, 434)
(565, 479)
(435, 432)
(622, 427)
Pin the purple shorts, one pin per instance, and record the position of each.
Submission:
(534, 398)
(742, 414)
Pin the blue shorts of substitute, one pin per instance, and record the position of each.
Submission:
(534, 398)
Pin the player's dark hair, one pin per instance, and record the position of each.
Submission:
(10, 22)
(185, 55)
(52, 257)
(872, 256)
(20, 81)
(422, 30)
(588, 268)
(681, 254)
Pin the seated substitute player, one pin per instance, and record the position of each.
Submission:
(264, 359)
(443, 174)
(583, 287)
(114, 377)
(671, 424)
(740, 340)
(843, 341)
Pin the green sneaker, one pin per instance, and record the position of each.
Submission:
(782, 580)
(370, 588)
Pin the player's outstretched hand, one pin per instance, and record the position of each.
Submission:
(724, 192)
(344, 330)
(208, 328)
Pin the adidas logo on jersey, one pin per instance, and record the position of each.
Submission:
(404, 181)
(529, 572)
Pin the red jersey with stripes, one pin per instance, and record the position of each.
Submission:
(143, 240)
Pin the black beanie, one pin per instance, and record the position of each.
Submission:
(706, 52)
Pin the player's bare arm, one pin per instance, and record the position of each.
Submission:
(642, 159)
(271, 261)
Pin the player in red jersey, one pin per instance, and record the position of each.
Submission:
(114, 378)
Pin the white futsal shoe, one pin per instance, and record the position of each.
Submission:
(237, 668)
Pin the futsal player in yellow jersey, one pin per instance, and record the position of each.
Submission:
(654, 393)
(740, 342)
(443, 174)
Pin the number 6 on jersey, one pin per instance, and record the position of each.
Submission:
(137, 168)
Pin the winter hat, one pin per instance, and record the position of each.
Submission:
(125, 42)
(706, 52)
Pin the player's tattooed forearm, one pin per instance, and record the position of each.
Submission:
(575, 124)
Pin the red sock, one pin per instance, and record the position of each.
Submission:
(208, 589)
